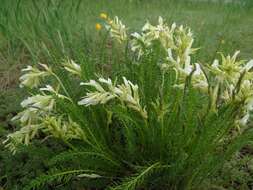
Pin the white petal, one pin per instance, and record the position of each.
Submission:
(249, 65)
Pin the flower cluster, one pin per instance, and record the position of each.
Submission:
(35, 107)
(40, 114)
(22, 136)
(177, 41)
(53, 126)
(72, 67)
(162, 32)
(33, 76)
(42, 105)
(223, 81)
(126, 93)
(233, 78)
(116, 28)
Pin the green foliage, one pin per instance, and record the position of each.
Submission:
(62, 177)
(30, 162)
(139, 178)
(236, 173)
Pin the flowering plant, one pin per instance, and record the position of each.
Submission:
(165, 122)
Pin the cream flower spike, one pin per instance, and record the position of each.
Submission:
(41, 102)
(33, 76)
(139, 43)
(248, 66)
(72, 67)
(230, 69)
(95, 84)
(22, 136)
(61, 129)
(161, 32)
(183, 43)
(38, 104)
(116, 29)
(50, 89)
(126, 92)
(100, 96)
(26, 116)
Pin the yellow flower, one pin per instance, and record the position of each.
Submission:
(103, 15)
(98, 27)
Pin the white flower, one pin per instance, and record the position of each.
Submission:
(100, 96)
(248, 66)
(95, 84)
(247, 112)
(107, 82)
(234, 79)
(161, 32)
(52, 126)
(198, 78)
(41, 102)
(183, 43)
(126, 92)
(229, 69)
(34, 107)
(72, 67)
(44, 102)
(244, 121)
(32, 76)
(22, 136)
(116, 29)
(50, 89)
(246, 94)
(95, 98)
(228, 73)
(26, 116)
(139, 43)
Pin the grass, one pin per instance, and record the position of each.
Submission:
(47, 31)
